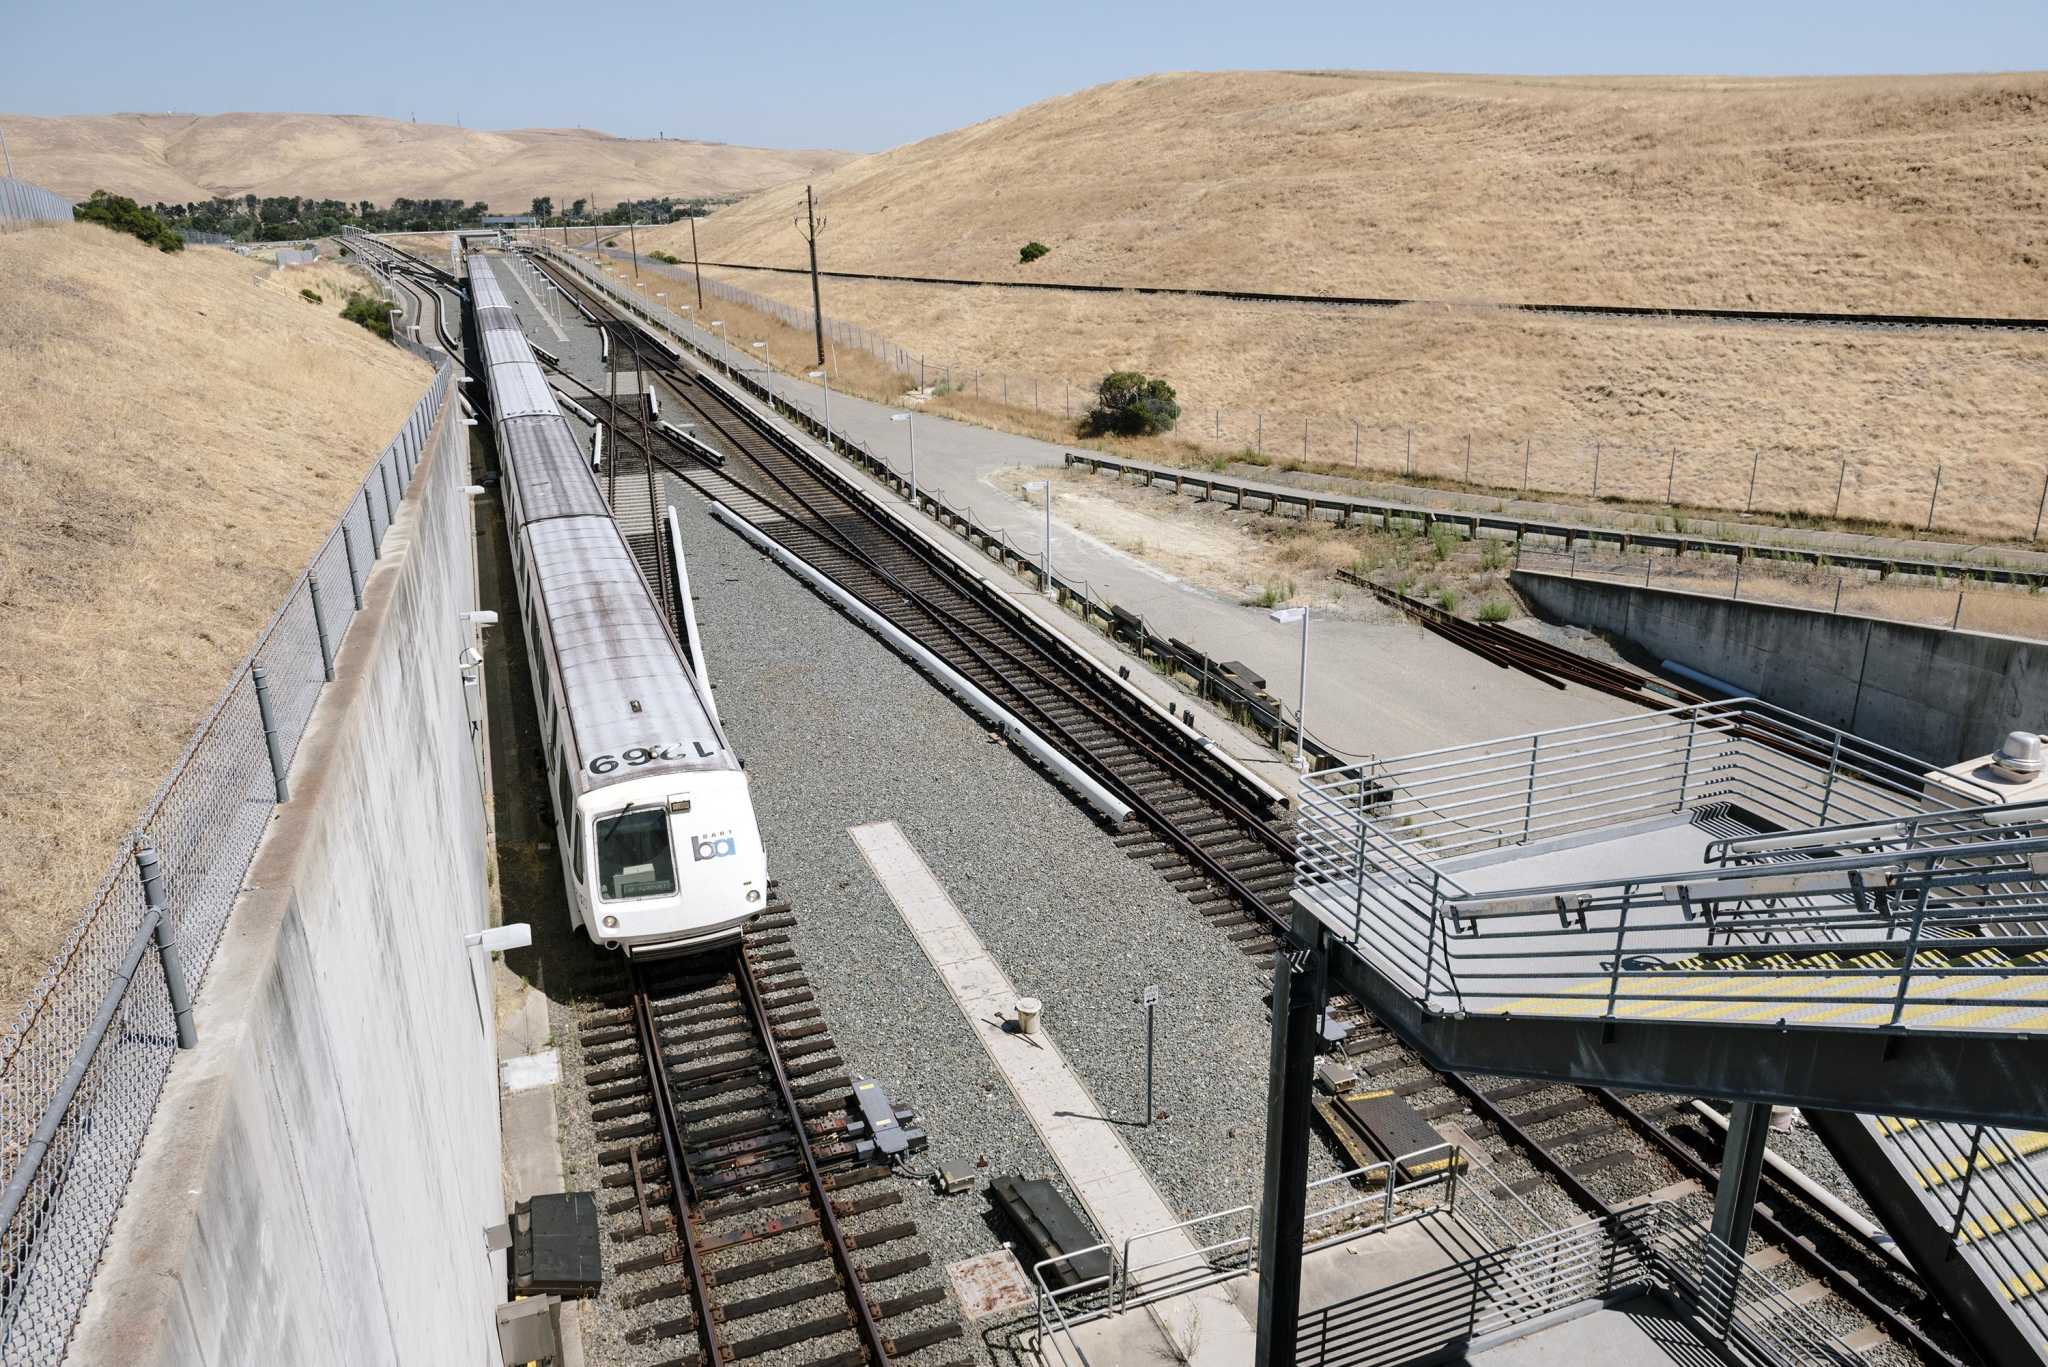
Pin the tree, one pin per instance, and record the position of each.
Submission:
(544, 207)
(1030, 252)
(1129, 405)
(124, 215)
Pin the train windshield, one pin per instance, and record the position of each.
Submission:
(633, 854)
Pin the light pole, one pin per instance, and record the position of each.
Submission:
(718, 326)
(762, 347)
(825, 391)
(1299, 614)
(911, 428)
(1045, 556)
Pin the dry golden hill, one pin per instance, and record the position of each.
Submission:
(1912, 194)
(182, 433)
(1895, 193)
(182, 157)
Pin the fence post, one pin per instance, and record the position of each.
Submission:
(320, 627)
(1671, 478)
(1935, 497)
(1841, 478)
(1354, 448)
(348, 554)
(1408, 463)
(1749, 499)
(1596, 467)
(1468, 457)
(1959, 611)
(1525, 467)
(2042, 507)
(390, 501)
(1259, 434)
(370, 518)
(268, 715)
(166, 944)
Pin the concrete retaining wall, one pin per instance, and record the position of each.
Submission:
(322, 1168)
(1937, 694)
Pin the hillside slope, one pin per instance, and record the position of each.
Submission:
(182, 433)
(1913, 193)
(184, 157)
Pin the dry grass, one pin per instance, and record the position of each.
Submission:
(182, 157)
(1897, 193)
(182, 432)
(1912, 194)
(1265, 560)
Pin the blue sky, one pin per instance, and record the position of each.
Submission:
(868, 77)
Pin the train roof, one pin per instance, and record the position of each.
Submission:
(624, 683)
(548, 469)
(484, 290)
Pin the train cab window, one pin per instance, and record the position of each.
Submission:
(565, 799)
(580, 841)
(633, 854)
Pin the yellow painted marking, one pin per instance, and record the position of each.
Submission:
(2027, 1284)
(1893, 1124)
(1999, 1221)
(1995, 1153)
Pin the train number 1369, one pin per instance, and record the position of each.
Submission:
(646, 754)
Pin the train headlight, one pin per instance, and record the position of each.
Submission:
(753, 894)
(611, 923)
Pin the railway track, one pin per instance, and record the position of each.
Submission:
(1235, 861)
(744, 1222)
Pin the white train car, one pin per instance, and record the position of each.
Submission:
(660, 851)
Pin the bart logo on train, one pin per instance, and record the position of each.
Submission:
(703, 847)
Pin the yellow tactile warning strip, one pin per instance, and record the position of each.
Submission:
(1799, 988)
(1999, 1221)
(2012, 1145)
(2030, 1283)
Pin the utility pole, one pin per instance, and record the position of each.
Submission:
(696, 269)
(810, 226)
(633, 235)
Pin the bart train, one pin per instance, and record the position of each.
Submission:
(660, 851)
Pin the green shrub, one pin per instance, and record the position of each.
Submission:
(665, 258)
(1030, 252)
(310, 296)
(124, 215)
(1129, 405)
(1441, 541)
(1274, 593)
(1447, 599)
(370, 311)
(1492, 555)
(1495, 610)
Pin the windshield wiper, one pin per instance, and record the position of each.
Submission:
(612, 825)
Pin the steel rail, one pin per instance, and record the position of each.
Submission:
(680, 1182)
(828, 1218)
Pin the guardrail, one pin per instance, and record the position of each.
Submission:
(1387, 514)
(1207, 678)
(82, 1069)
(1867, 902)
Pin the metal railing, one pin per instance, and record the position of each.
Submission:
(82, 1069)
(1269, 716)
(1214, 1248)
(23, 204)
(1382, 847)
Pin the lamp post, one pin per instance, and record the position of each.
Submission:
(718, 326)
(825, 392)
(1045, 556)
(762, 347)
(1299, 614)
(911, 428)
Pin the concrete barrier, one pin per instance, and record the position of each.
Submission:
(321, 1171)
(1928, 691)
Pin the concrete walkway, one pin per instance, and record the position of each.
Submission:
(1203, 1327)
(1376, 686)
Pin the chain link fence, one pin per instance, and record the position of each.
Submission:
(81, 1071)
(23, 204)
(1925, 491)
